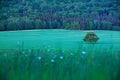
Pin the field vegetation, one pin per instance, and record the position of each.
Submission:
(58, 64)
(65, 57)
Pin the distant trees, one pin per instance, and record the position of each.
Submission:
(2, 28)
(72, 25)
(106, 25)
(59, 14)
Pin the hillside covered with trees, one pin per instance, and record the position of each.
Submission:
(59, 14)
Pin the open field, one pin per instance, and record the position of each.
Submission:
(66, 39)
(59, 55)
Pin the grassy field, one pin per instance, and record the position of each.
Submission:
(66, 39)
(59, 55)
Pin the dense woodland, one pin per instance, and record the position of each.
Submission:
(59, 14)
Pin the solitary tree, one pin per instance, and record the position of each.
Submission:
(91, 37)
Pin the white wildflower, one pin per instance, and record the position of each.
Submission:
(52, 60)
(39, 58)
(83, 52)
(61, 57)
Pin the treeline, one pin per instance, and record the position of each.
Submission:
(59, 14)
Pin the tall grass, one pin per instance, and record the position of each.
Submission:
(57, 64)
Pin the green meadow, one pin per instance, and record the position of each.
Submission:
(59, 55)
(65, 39)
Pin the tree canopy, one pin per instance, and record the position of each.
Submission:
(59, 14)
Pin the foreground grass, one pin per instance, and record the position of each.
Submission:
(57, 64)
